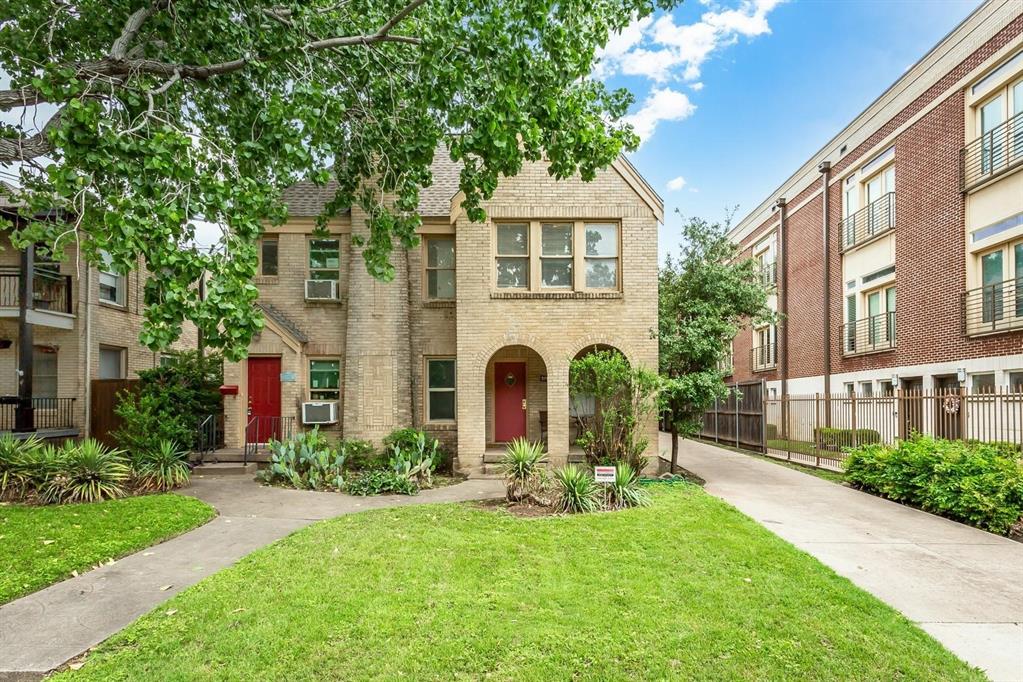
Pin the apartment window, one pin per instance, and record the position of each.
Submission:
(887, 389)
(850, 389)
(867, 389)
(601, 256)
(513, 256)
(112, 362)
(44, 372)
(764, 349)
(111, 283)
(268, 256)
(324, 259)
(324, 379)
(440, 268)
(440, 389)
(1001, 273)
(983, 383)
(881, 316)
(1016, 382)
(1000, 147)
(556, 255)
(765, 255)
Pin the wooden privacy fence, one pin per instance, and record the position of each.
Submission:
(819, 429)
(738, 420)
(102, 418)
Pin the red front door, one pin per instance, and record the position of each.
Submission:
(509, 401)
(264, 399)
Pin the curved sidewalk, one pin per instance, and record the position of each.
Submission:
(45, 629)
(962, 585)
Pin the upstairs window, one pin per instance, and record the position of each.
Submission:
(556, 255)
(513, 256)
(111, 283)
(324, 259)
(440, 268)
(324, 379)
(268, 256)
(601, 256)
(562, 256)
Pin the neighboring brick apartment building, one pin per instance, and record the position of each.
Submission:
(473, 338)
(85, 326)
(907, 270)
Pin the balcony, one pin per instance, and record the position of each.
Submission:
(994, 308)
(869, 335)
(52, 304)
(763, 358)
(872, 220)
(994, 153)
(52, 416)
(769, 274)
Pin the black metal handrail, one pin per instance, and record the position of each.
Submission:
(48, 413)
(994, 307)
(764, 357)
(261, 430)
(997, 151)
(870, 334)
(769, 274)
(50, 290)
(206, 436)
(875, 218)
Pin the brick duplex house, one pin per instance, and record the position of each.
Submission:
(473, 338)
(897, 250)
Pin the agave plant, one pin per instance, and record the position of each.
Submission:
(21, 465)
(164, 468)
(578, 492)
(520, 464)
(625, 491)
(87, 472)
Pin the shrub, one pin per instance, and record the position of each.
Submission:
(378, 482)
(86, 472)
(837, 439)
(978, 483)
(522, 459)
(361, 455)
(22, 466)
(624, 491)
(162, 469)
(305, 461)
(577, 491)
(146, 423)
(415, 459)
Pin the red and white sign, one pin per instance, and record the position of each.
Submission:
(604, 474)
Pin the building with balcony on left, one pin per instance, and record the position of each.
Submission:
(79, 324)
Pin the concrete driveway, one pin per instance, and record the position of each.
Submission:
(45, 629)
(962, 585)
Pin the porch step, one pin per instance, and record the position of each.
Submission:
(225, 469)
(233, 455)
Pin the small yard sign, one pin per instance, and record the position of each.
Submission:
(604, 474)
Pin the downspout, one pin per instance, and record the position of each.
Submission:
(783, 309)
(825, 169)
(87, 365)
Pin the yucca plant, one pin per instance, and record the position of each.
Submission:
(625, 490)
(577, 491)
(164, 468)
(522, 459)
(21, 466)
(87, 472)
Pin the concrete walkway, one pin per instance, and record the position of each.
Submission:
(962, 585)
(44, 630)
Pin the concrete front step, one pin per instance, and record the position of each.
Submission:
(225, 469)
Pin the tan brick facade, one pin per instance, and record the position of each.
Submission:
(385, 333)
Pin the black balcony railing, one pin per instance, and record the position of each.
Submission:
(870, 334)
(764, 357)
(994, 307)
(49, 413)
(769, 274)
(875, 218)
(995, 152)
(50, 290)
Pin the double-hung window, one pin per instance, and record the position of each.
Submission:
(112, 363)
(268, 256)
(556, 255)
(324, 259)
(440, 268)
(601, 256)
(440, 389)
(111, 282)
(560, 256)
(44, 372)
(513, 256)
(324, 379)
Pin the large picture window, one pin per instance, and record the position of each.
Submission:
(324, 379)
(440, 268)
(324, 259)
(440, 389)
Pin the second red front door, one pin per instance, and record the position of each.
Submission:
(509, 401)
(264, 399)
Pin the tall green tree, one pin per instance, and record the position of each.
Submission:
(140, 117)
(704, 298)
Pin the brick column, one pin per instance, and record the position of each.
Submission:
(557, 414)
(377, 388)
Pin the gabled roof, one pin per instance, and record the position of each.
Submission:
(283, 322)
(7, 193)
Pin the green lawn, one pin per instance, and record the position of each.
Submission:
(688, 588)
(41, 545)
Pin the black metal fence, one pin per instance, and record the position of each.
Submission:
(49, 413)
(874, 219)
(997, 151)
(739, 419)
(261, 430)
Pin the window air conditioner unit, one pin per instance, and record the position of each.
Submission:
(321, 289)
(319, 413)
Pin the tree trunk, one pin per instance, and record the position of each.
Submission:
(674, 448)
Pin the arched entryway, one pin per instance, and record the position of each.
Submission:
(583, 406)
(516, 396)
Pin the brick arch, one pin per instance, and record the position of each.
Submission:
(603, 339)
(478, 367)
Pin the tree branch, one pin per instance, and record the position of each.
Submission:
(31, 147)
(132, 27)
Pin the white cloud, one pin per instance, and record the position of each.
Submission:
(662, 50)
(662, 104)
(697, 86)
(676, 184)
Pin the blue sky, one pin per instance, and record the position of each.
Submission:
(757, 87)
